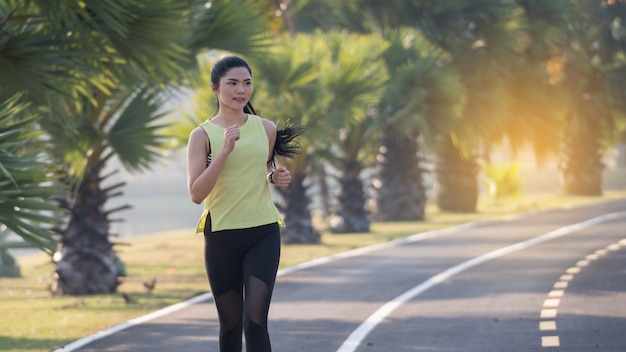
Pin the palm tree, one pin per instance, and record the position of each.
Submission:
(289, 92)
(118, 57)
(421, 102)
(354, 78)
(594, 75)
(537, 104)
(481, 37)
(124, 125)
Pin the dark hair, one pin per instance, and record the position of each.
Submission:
(286, 144)
(224, 65)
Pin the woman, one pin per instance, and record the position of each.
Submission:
(229, 165)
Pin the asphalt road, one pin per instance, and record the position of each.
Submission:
(550, 281)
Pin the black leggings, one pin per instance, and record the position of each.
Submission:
(241, 265)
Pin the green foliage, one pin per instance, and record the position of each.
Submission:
(503, 181)
(423, 94)
(353, 74)
(235, 26)
(592, 79)
(287, 79)
(135, 135)
(353, 77)
(25, 183)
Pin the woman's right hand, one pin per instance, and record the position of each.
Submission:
(231, 135)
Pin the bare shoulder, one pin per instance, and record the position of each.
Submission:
(198, 136)
(270, 126)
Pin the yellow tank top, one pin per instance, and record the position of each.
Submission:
(241, 197)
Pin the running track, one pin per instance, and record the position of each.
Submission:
(549, 281)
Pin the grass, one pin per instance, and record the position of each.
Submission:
(33, 320)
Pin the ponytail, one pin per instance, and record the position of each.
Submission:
(286, 145)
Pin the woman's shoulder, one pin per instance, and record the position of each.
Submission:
(198, 130)
(268, 124)
(198, 133)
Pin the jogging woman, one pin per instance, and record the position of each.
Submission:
(229, 167)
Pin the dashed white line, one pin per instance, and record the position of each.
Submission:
(561, 284)
(556, 293)
(554, 341)
(548, 313)
(573, 270)
(566, 277)
(356, 337)
(552, 302)
(547, 325)
(550, 341)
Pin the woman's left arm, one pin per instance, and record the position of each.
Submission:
(280, 177)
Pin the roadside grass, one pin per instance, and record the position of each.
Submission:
(34, 320)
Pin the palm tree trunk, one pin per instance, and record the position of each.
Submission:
(351, 215)
(580, 167)
(298, 222)
(456, 179)
(400, 191)
(324, 195)
(85, 260)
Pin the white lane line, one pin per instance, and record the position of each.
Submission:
(582, 263)
(556, 293)
(549, 313)
(547, 325)
(550, 341)
(573, 270)
(357, 336)
(552, 303)
(72, 346)
(553, 341)
(567, 277)
(614, 247)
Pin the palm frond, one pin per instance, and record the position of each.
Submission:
(36, 57)
(354, 77)
(234, 26)
(135, 137)
(24, 192)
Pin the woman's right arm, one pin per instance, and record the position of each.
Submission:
(200, 178)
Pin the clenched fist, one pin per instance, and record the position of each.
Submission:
(281, 177)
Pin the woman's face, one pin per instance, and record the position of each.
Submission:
(235, 89)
